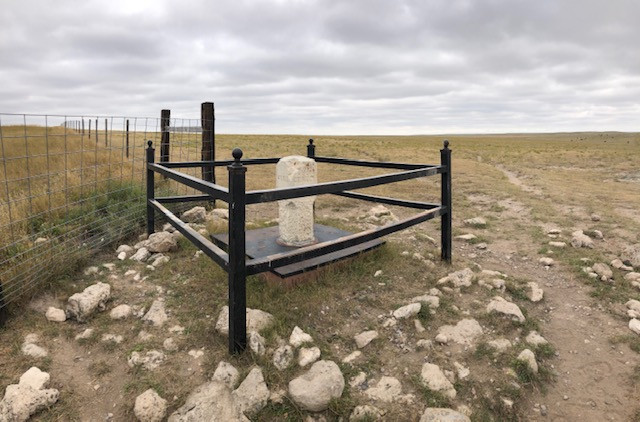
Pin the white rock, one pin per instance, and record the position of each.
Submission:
(91, 270)
(535, 339)
(424, 344)
(500, 344)
(55, 314)
(222, 213)
(169, 344)
(464, 332)
(27, 397)
(379, 211)
(296, 215)
(156, 314)
(467, 237)
(195, 215)
(366, 413)
(112, 338)
(252, 395)
(387, 389)
(282, 357)
(82, 305)
(358, 380)
(431, 301)
(308, 355)
(534, 292)
(314, 389)
(163, 259)
(257, 343)
(257, 320)
(122, 256)
(141, 254)
(109, 266)
(33, 350)
(442, 339)
(462, 278)
(462, 371)
(177, 329)
(226, 374)
(558, 244)
(144, 336)
(437, 414)
(124, 248)
(407, 311)
(598, 234)
(378, 273)
(502, 306)
(418, 325)
(475, 222)
(299, 337)
(196, 353)
(546, 261)
(529, 358)
(212, 401)
(121, 312)
(149, 361)
(85, 334)
(352, 357)
(161, 242)
(595, 217)
(167, 227)
(634, 325)
(581, 240)
(150, 407)
(434, 379)
(602, 270)
(34, 378)
(631, 255)
(633, 305)
(632, 276)
(365, 338)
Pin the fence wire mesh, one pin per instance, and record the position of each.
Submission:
(71, 185)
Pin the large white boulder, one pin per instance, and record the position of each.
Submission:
(150, 407)
(407, 311)
(27, 397)
(82, 305)
(314, 389)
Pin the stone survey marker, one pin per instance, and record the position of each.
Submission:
(296, 215)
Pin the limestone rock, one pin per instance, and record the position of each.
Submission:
(314, 389)
(595, 217)
(194, 215)
(149, 361)
(634, 325)
(158, 261)
(434, 379)
(296, 215)
(222, 213)
(475, 222)
(581, 240)
(27, 397)
(547, 261)
(431, 301)
(500, 344)
(557, 244)
(252, 395)
(352, 357)
(212, 401)
(535, 339)
(387, 389)
(282, 357)
(161, 242)
(366, 413)
(85, 334)
(299, 337)
(257, 320)
(462, 278)
(156, 314)
(257, 343)
(529, 358)
(365, 338)
(462, 371)
(603, 271)
(82, 305)
(435, 414)
(308, 355)
(534, 292)
(379, 211)
(141, 254)
(500, 305)
(464, 332)
(121, 312)
(112, 338)
(407, 311)
(91, 270)
(150, 407)
(633, 305)
(467, 236)
(124, 248)
(631, 255)
(55, 314)
(226, 374)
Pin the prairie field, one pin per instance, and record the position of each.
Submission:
(530, 189)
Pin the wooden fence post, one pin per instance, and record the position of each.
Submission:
(106, 134)
(445, 240)
(127, 138)
(83, 125)
(97, 131)
(165, 116)
(89, 128)
(237, 255)
(208, 153)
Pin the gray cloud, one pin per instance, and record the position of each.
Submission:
(313, 67)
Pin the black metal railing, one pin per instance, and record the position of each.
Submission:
(235, 262)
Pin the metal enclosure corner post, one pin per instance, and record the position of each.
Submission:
(165, 116)
(237, 256)
(151, 218)
(445, 162)
(208, 121)
(311, 149)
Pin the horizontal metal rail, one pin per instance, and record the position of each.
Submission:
(214, 191)
(187, 164)
(388, 201)
(205, 245)
(270, 195)
(179, 199)
(267, 263)
(377, 164)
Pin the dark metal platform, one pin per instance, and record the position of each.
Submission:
(262, 242)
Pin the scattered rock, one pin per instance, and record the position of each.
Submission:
(462, 371)
(112, 338)
(149, 361)
(435, 414)
(529, 358)
(257, 343)
(424, 344)
(212, 401)
(595, 217)
(141, 254)
(358, 380)
(169, 344)
(634, 325)
(603, 271)
(547, 261)
(476, 222)
(366, 413)
(257, 320)
(352, 357)
(91, 271)
(121, 312)
(195, 353)
(365, 338)
(431, 301)
(85, 334)
(535, 339)
(377, 273)
(150, 407)
(161, 242)
(226, 374)
(464, 332)
(407, 311)
(124, 248)
(462, 278)
(308, 355)
(500, 344)
(598, 234)
(282, 357)
(557, 244)
(631, 255)
(387, 389)
(581, 240)
(442, 339)
(252, 395)
(617, 263)
(222, 213)
(434, 379)
(299, 337)
(500, 305)
(467, 237)
(314, 389)
(122, 256)
(158, 261)
(534, 292)
(29, 348)
(156, 314)
(55, 315)
(418, 325)
(82, 305)
(633, 305)
(194, 215)
(27, 397)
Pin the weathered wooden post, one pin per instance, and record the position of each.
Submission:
(445, 162)
(208, 121)
(311, 149)
(165, 116)
(106, 134)
(237, 256)
(89, 128)
(151, 218)
(83, 125)
(127, 142)
(97, 131)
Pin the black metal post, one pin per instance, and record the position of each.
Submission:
(3, 308)
(237, 256)
(127, 138)
(208, 121)
(311, 149)
(445, 162)
(89, 128)
(106, 133)
(151, 217)
(165, 116)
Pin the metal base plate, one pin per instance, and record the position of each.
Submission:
(263, 242)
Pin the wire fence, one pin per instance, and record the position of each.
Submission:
(71, 185)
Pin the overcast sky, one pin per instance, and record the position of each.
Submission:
(330, 67)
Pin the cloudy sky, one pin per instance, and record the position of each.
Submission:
(330, 67)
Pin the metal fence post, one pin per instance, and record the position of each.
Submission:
(311, 149)
(151, 218)
(237, 256)
(165, 116)
(208, 121)
(445, 162)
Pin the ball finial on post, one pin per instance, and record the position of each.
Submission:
(310, 141)
(149, 143)
(237, 154)
(446, 144)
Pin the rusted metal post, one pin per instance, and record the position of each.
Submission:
(445, 162)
